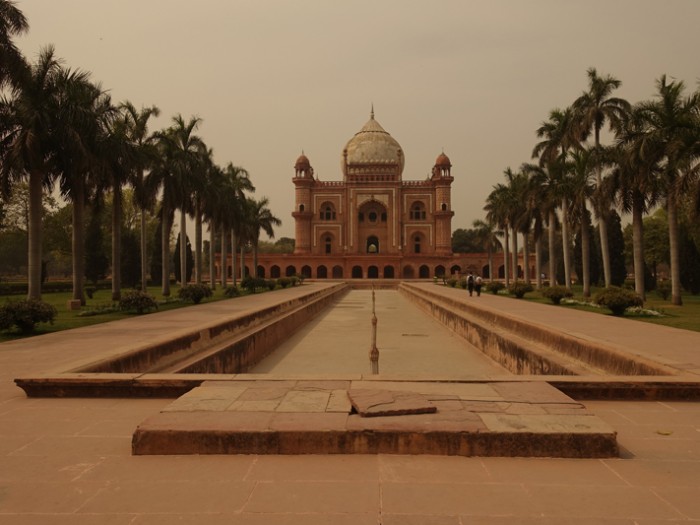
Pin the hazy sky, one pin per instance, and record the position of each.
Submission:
(270, 78)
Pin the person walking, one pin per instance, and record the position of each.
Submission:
(470, 284)
(477, 285)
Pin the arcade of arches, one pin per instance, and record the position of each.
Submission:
(372, 224)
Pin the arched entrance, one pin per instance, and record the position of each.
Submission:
(373, 272)
(372, 244)
(337, 272)
(357, 272)
(408, 272)
(455, 269)
(388, 272)
(423, 272)
(306, 271)
(275, 272)
(322, 272)
(290, 271)
(440, 270)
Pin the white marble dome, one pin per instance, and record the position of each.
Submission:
(372, 145)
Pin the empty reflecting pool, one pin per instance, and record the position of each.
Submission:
(410, 343)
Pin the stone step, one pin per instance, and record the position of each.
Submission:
(523, 419)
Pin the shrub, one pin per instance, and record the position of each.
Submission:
(137, 301)
(452, 282)
(556, 293)
(462, 283)
(253, 283)
(519, 289)
(284, 282)
(295, 280)
(617, 299)
(26, 314)
(271, 284)
(495, 286)
(232, 291)
(194, 292)
(663, 289)
(300, 278)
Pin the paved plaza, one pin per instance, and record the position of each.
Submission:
(69, 461)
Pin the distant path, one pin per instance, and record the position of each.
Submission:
(410, 343)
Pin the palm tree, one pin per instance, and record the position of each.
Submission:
(582, 188)
(541, 202)
(13, 67)
(25, 146)
(238, 182)
(488, 239)
(637, 186)
(671, 137)
(496, 208)
(189, 149)
(560, 137)
(259, 217)
(137, 123)
(117, 153)
(81, 110)
(593, 108)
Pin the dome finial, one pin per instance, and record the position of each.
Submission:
(371, 115)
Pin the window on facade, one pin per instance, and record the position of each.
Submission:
(416, 244)
(417, 212)
(372, 216)
(444, 207)
(328, 244)
(327, 213)
(301, 207)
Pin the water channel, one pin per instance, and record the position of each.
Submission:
(411, 343)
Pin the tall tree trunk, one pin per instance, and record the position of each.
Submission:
(116, 242)
(506, 274)
(672, 212)
(526, 258)
(638, 245)
(565, 243)
(224, 262)
(144, 255)
(552, 257)
(36, 180)
(234, 265)
(197, 242)
(212, 254)
(602, 217)
(165, 250)
(538, 262)
(490, 257)
(78, 243)
(242, 262)
(514, 256)
(586, 252)
(183, 247)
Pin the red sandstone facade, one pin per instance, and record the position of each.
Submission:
(372, 224)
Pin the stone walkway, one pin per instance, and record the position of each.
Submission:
(69, 461)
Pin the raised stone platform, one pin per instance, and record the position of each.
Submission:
(491, 418)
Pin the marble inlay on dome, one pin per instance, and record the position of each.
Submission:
(372, 145)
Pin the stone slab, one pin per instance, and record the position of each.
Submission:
(293, 417)
(375, 403)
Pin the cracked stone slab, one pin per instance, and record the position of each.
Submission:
(374, 403)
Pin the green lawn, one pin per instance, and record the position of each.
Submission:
(686, 316)
(67, 319)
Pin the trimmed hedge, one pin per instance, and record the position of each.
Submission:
(617, 299)
(556, 293)
(25, 315)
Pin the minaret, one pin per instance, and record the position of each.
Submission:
(303, 182)
(442, 179)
